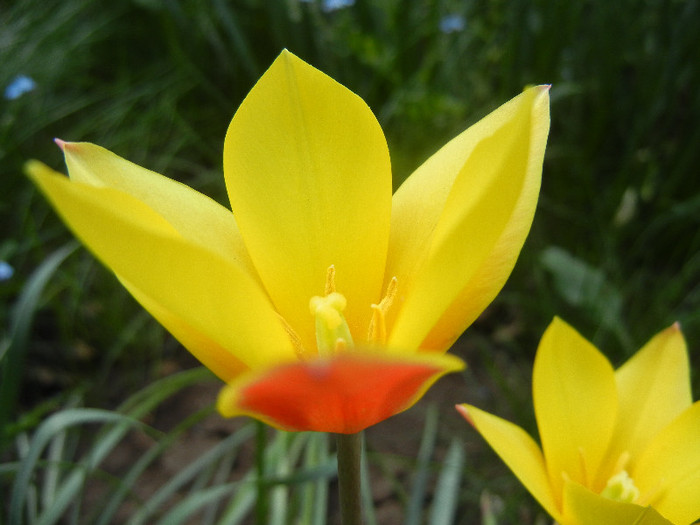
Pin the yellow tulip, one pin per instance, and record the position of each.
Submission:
(618, 446)
(322, 301)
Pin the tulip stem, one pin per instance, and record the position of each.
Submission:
(349, 477)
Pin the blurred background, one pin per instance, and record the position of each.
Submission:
(614, 249)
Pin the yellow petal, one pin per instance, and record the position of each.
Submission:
(309, 180)
(344, 394)
(583, 507)
(459, 222)
(668, 471)
(215, 296)
(195, 216)
(210, 353)
(518, 450)
(575, 405)
(653, 389)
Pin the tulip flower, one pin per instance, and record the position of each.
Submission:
(322, 302)
(618, 446)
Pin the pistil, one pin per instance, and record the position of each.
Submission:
(621, 488)
(332, 331)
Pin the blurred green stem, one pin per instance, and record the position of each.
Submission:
(349, 485)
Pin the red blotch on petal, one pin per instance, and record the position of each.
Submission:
(343, 395)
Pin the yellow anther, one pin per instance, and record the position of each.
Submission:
(621, 488)
(388, 299)
(377, 325)
(330, 280)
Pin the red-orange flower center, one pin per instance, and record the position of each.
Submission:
(345, 394)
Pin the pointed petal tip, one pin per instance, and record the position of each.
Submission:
(287, 56)
(463, 410)
(540, 88)
(71, 147)
(558, 322)
(674, 332)
(543, 92)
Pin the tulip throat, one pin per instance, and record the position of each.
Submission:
(621, 488)
(332, 330)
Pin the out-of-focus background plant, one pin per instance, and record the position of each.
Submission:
(615, 247)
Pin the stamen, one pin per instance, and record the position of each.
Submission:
(622, 461)
(299, 349)
(377, 325)
(584, 471)
(340, 345)
(388, 299)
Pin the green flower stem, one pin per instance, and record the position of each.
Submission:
(349, 484)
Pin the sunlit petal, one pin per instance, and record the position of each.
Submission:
(575, 404)
(344, 394)
(459, 222)
(668, 471)
(216, 296)
(210, 353)
(653, 389)
(192, 214)
(583, 507)
(518, 450)
(309, 180)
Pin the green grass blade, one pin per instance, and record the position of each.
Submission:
(147, 399)
(187, 474)
(12, 361)
(414, 512)
(130, 478)
(447, 489)
(196, 502)
(245, 496)
(241, 503)
(314, 497)
(51, 474)
(50, 428)
(70, 490)
(279, 494)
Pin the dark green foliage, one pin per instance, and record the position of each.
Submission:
(615, 247)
